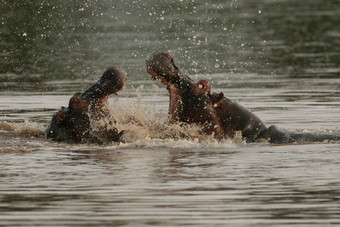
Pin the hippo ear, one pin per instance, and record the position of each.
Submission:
(203, 86)
(61, 116)
(217, 99)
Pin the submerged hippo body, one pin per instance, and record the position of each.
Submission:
(192, 102)
(72, 123)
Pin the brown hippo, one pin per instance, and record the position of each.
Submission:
(192, 102)
(72, 123)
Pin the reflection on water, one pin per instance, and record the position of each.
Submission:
(278, 58)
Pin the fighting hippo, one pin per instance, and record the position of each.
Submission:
(192, 102)
(72, 123)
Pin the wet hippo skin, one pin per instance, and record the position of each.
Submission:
(189, 101)
(72, 123)
(192, 102)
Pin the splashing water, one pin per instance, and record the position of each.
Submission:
(146, 127)
(24, 129)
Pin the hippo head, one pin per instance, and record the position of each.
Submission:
(72, 123)
(190, 102)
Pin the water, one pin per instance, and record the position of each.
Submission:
(280, 59)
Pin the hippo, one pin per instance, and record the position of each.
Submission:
(192, 102)
(72, 123)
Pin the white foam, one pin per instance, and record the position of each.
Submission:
(23, 129)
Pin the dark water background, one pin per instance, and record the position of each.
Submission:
(279, 58)
(51, 40)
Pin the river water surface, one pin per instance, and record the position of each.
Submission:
(280, 59)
